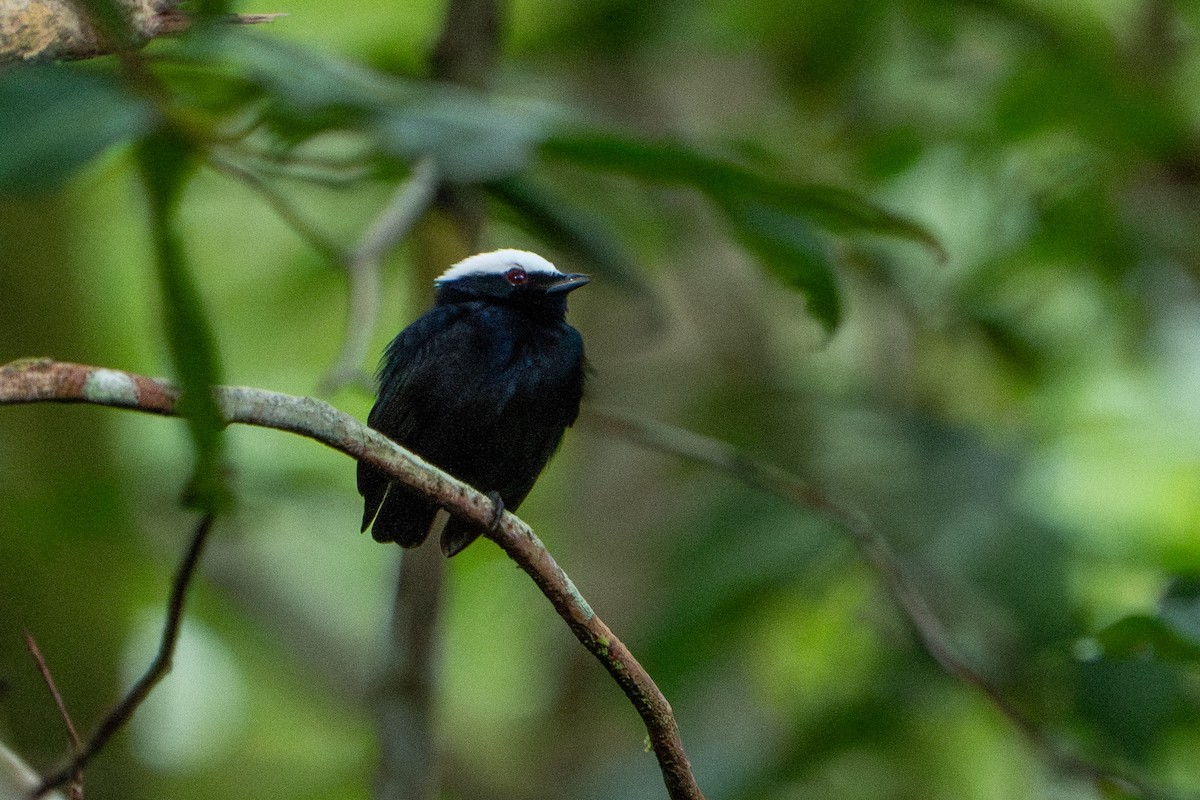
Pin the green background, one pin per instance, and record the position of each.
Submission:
(938, 258)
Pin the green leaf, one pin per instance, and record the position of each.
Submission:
(664, 162)
(673, 163)
(568, 229)
(772, 218)
(42, 112)
(473, 139)
(1136, 702)
(1179, 607)
(790, 250)
(1090, 95)
(300, 80)
(111, 17)
(211, 9)
(166, 162)
(297, 92)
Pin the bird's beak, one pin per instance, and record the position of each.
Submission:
(566, 283)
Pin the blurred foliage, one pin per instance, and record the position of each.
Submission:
(38, 110)
(940, 258)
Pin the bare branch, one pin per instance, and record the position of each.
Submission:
(253, 19)
(34, 380)
(933, 635)
(56, 30)
(282, 206)
(75, 790)
(363, 266)
(159, 667)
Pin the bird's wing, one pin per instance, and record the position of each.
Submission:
(467, 400)
(407, 368)
(403, 384)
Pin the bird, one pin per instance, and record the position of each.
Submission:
(483, 385)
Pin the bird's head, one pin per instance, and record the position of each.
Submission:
(513, 276)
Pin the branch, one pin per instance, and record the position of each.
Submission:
(76, 788)
(56, 30)
(362, 264)
(398, 217)
(409, 759)
(43, 380)
(17, 779)
(933, 635)
(282, 206)
(159, 667)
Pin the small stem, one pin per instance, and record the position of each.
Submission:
(283, 207)
(119, 715)
(76, 788)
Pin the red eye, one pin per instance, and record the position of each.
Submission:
(516, 276)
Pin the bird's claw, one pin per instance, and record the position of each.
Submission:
(497, 510)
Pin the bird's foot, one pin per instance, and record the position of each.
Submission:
(497, 510)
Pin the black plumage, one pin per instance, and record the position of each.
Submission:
(483, 385)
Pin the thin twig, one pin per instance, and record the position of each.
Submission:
(44, 669)
(390, 227)
(318, 241)
(159, 667)
(314, 171)
(252, 19)
(43, 380)
(933, 635)
(326, 169)
(362, 264)
(75, 790)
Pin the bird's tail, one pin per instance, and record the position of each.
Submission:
(457, 534)
(404, 517)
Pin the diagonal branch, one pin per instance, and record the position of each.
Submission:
(44, 380)
(76, 788)
(159, 667)
(364, 263)
(933, 635)
(282, 206)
